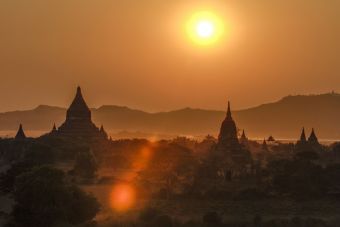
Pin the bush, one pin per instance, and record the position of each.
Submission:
(43, 198)
(7, 179)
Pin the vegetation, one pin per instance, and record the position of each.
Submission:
(174, 177)
(44, 198)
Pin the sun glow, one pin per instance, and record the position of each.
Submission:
(205, 28)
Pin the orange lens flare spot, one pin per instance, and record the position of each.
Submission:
(123, 197)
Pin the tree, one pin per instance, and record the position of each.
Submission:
(86, 164)
(44, 198)
(7, 179)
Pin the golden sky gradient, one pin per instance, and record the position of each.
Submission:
(135, 52)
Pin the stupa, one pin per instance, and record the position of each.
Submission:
(20, 134)
(78, 122)
(227, 139)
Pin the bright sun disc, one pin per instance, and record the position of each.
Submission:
(204, 28)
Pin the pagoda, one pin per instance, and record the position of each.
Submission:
(78, 122)
(312, 144)
(243, 139)
(231, 154)
(227, 139)
(265, 146)
(303, 139)
(313, 140)
(20, 134)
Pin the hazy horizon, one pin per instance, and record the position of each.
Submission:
(168, 110)
(134, 53)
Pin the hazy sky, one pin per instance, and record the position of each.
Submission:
(134, 52)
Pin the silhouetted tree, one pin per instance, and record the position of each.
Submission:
(43, 198)
(86, 164)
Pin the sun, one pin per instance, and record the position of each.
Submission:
(205, 28)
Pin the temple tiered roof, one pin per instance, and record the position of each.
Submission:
(227, 139)
(78, 122)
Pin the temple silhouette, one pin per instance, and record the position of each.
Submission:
(310, 144)
(78, 123)
(20, 134)
(229, 149)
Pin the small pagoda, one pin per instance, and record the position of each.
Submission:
(310, 144)
(20, 134)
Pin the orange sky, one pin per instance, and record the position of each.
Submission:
(133, 52)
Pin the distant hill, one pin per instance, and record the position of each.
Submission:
(282, 119)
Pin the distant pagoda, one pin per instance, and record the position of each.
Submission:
(227, 139)
(312, 144)
(265, 146)
(78, 122)
(303, 139)
(313, 139)
(20, 134)
(243, 139)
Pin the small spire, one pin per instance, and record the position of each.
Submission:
(79, 91)
(312, 138)
(20, 134)
(54, 129)
(243, 136)
(103, 132)
(264, 145)
(303, 135)
(229, 112)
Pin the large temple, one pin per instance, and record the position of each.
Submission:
(227, 139)
(229, 149)
(78, 122)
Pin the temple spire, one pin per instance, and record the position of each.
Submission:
(243, 139)
(264, 145)
(54, 129)
(312, 138)
(103, 132)
(229, 112)
(78, 93)
(303, 135)
(20, 134)
(243, 134)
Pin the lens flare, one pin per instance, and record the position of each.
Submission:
(123, 197)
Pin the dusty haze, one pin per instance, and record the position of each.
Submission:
(134, 53)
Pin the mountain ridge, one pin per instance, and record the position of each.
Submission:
(282, 119)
